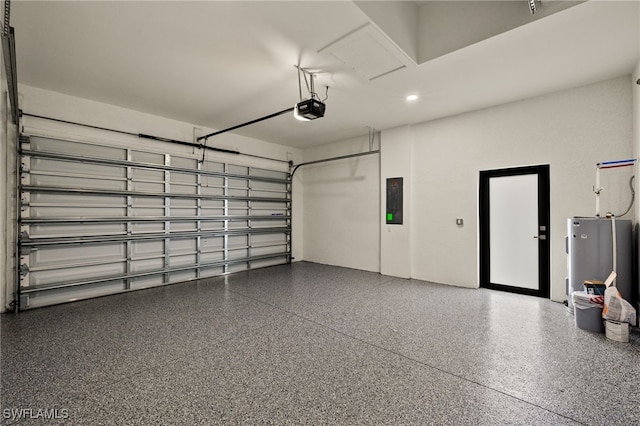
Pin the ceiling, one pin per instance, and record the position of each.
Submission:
(217, 64)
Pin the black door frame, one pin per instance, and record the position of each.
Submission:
(542, 171)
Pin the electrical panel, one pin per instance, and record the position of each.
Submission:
(394, 201)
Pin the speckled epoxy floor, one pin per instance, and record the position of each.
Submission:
(314, 344)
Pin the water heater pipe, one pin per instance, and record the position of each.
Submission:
(608, 165)
(615, 247)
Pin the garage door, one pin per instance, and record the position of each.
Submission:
(99, 220)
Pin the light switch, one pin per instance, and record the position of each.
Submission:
(459, 222)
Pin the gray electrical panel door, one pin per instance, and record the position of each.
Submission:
(394, 201)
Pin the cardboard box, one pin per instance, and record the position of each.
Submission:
(596, 287)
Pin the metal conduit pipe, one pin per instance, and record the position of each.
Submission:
(342, 157)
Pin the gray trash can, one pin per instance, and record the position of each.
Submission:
(588, 311)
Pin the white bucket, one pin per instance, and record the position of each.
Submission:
(618, 331)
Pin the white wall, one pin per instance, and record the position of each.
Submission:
(440, 161)
(341, 206)
(51, 104)
(570, 130)
(395, 240)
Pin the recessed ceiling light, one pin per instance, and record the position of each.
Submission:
(412, 98)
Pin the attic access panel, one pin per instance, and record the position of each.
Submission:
(369, 52)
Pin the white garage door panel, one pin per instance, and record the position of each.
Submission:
(183, 188)
(262, 208)
(212, 166)
(259, 251)
(184, 276)
(264, 263)
(97, 220)
(63, 295)
(237, 204)
(182, 246)
(63, 230)
(75, 148)
(146, 157)
(141, 174)
(265, 224)
(184, 226)
(237, 267)
(184, 260)
(138, 186)
(212, 242)
(142, 228)
(147, 265)
(213, 225)
(77, 273)
(72, 255)
(189, 180)
(211, 186)
(186, 205)
(237, 170)
(212, 271)
(185, 163)
(86, 182)
(144, 282)
(237, 224)
(97, 171)
(212, 257)
(269, 239)
(75, 205)
(146, 207)
(142, 249)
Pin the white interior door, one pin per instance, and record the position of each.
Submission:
(513, 224)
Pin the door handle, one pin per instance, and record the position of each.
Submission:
(540, 237)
